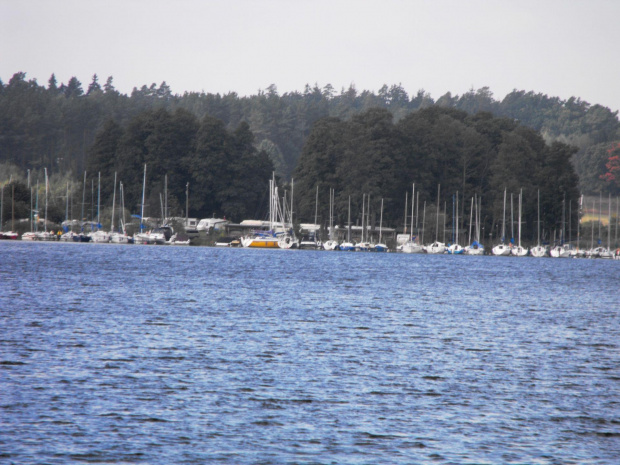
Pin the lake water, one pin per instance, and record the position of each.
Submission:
(195, 355)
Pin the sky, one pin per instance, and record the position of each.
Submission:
(559, 48)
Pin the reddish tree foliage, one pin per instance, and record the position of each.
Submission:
(613, 165)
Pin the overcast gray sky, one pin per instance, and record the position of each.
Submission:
(560, 48)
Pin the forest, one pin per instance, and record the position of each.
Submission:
(222, 148)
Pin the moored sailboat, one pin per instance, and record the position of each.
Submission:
(502, 249)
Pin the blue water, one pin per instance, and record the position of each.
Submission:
(160, 355)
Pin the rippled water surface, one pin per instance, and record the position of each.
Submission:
(160, 355)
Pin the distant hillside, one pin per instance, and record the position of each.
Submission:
(55, 125)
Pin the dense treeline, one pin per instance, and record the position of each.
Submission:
(223, 170)
(55, 126)
(470, 154)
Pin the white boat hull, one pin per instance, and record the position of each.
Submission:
(501, 250)
(330, 245)
(519, 251)
(436, 248)
(412, 247)
(538, 251)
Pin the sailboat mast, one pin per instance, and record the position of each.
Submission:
(381, 221)
(122, 192)
(592, 235)
(457, 217)
(609, 224)
(538, 222)
(46, 188)
(512, 219)
(368, 219)
(437, 219)
(316, 205)
(113, 204)
(520, 200)
(13, 210)
(83, 198)
(412, 205)
(99, 201)
(471, 214)
(142, 206)
(349, 223)
(504, 219)
(67, 204)
(405, 225)
(186, 204)
(363, 213)
(423, 222)
(292, 190)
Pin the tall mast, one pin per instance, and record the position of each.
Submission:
(113, 204)
(423, 221)
(46, 187)
(520, 200)
(412, 205)
(600, 207)
(457, 218)
(368, 219)
(405, 227)
(579, 222)
(67, 204)
(417, 209)
(349, 223)
(186, 204)
(609, 225)
(381, 221)
(592, 235)
(437, 219)
(36, 223)
(316, 205)
(83, 197)
(504, 219)
(142, 206)
(122, 192)
(363, 213)
(538, 222)
(512, 219)
(99, 201)
(471, 215)
(13, 210)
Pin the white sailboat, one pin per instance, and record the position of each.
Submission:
(268, 239)
(519, 250)
(99, 235)
(364, 246)
(118, 237)
(331, 244)
(381, 247)
(502, 249)
(538, 251)
(287, 239)
(412, 245)
(561, 250)
(45, 235)
(475, 247)
(455, 248)
(348, 246)
(436, 247)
